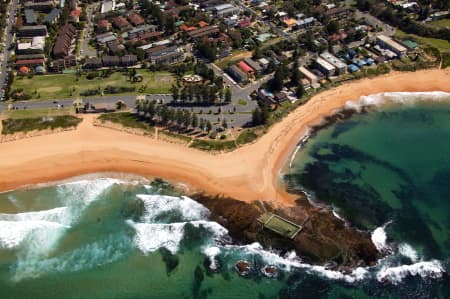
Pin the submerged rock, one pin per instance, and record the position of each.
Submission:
(243, 267)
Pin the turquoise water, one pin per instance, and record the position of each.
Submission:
(385, 170)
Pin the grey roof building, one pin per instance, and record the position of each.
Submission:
(30, 16)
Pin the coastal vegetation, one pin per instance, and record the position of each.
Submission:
(15, 125)
(61, 86)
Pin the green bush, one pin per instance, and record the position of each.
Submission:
(14, 125)
(209, 145)
(246, 136)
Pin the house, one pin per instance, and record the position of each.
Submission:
(312, 78)
(390, 44)
(246, 69)
(341, 68)
(93, 63)
(53, 16)
(165, 55)
(264, 62)
(128, 60)
(75, 15)
(325, 67)
(136, 19)
(175, 11)
(58, 65)
(110, 61)
(267, 97)
(30, 16)
(35, 46)
(237, 74)
(254, 65)
(204, 32)
(108, 6)
(225, 10)
(281, 97)
(120, 23)
(337, 12)
(290, 22)
(105, 37)
(150, 36)
(113, 46)
(64, 41)
(103, 25)
(30, 31)
(31, 63)
(140, 30)
(44, 6)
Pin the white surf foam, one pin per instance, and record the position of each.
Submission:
(150, 237)
(14, 228)
(212, 252)
(408, 251)
(156, 205)
(396, 97)
(395, 275)
(379, 238)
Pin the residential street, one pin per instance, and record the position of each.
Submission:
(8, 40)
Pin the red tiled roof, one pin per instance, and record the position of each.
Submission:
(136, 19)
(120, 22)
(186, 28)
(103, 23)
(29, 61)
(245, 67)
(202, 24)
(75, 13)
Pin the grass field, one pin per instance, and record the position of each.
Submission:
(441, 23)
(212, 145)
(37, 113)
(234, 57)
(441, 44)
(15, 125)
(69, 85)
(126, 119)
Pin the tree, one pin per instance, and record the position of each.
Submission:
(224, 123)
(296, 75)
(300, 91)
(202, 124)
(208, 126)
(227, 95)
(278, 78)
(333, 27)
(175, 93)
(194, 122)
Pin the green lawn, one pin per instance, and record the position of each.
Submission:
(441, 23)
(69, 85)
(246, 136)
(126, 119)
(14, 125)
(37, 113)
(242, 102)
(212, 145)
(441, 44)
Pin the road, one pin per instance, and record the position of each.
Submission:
(86, 50)
(8, 40)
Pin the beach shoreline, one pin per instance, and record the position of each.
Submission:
(249, 173)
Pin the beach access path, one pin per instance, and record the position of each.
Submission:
(249, 173)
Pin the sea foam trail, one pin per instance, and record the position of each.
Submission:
(395, 275)
(396, 97)
(89, 256)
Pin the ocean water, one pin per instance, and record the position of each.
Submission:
(123, 237)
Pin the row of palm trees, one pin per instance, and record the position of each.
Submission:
(164, 115)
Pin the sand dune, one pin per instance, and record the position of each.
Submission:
(249, 173)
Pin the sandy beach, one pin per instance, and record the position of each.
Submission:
(248, 173)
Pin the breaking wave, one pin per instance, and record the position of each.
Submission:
(36, 237)
(380, 99)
